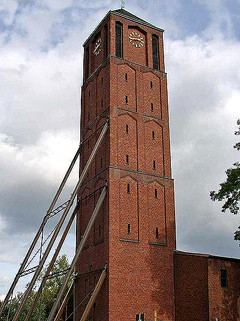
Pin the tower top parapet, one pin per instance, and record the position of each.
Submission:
(126, 15)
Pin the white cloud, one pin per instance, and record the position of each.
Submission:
(204, 103)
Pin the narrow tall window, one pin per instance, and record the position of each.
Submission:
(154, 165)
(85, 287)
(118, 35)
(128, 188)
(155, 51)
(151, 106)
(129, 229)
(127, 159)
(126, 77)
(101, 81)
(153, 135)
(89, 94)
(94, 311)
(127, 129)
(157, 233)
(151, 84)
(101, 103)
(155, 193)
(126, 99)
(223, 278)
(106, 40)
(87, 63)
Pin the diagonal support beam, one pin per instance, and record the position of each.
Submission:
(34, 242)
(94, 295)
(60, 224)
(64, 303)
(78, 252)
(50, 266)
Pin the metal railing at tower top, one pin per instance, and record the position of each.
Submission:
(54, 234)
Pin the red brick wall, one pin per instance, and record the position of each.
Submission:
(191, 287)
(224, 302)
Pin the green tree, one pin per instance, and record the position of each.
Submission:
(48, 297)
(229, 191)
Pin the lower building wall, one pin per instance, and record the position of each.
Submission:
(224, 301)
(191, 287)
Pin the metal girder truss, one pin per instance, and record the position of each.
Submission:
(51, 212)
(78, 252)
(94, 294)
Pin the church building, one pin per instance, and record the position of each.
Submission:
(133, 237)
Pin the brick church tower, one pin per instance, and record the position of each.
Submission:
(134, 233)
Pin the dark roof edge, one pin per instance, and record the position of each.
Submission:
(91, 34)
(142, 22)
(207, 256)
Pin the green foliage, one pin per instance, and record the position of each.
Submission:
(229, 191)
(49, 293)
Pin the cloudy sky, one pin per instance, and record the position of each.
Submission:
(40, 78)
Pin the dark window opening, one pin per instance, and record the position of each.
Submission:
(157, 234)
(155, 51)
(126, 77)
(155, 193)
(87, 62)
(106, 40)
(223, 278)
(154, 165)
(127, 129)
(101, 80)
(89, 94)
(128, 188)
(126, 99)
(101, 162)
(101, 103)
(151, 84)
(153, 135)
(94, 312)
(88, 115)
(127, 159)
(140, 317)
(129, 229)
(151, 106)
(119, 41)
(90, 268)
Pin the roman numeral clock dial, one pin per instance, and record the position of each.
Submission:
(98, 47)
(136, 39)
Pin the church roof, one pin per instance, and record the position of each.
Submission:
(128, 15)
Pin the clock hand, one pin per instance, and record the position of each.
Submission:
(136, 39)
(96, 48)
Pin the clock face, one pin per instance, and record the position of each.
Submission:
(98, 47)
(136, 39)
